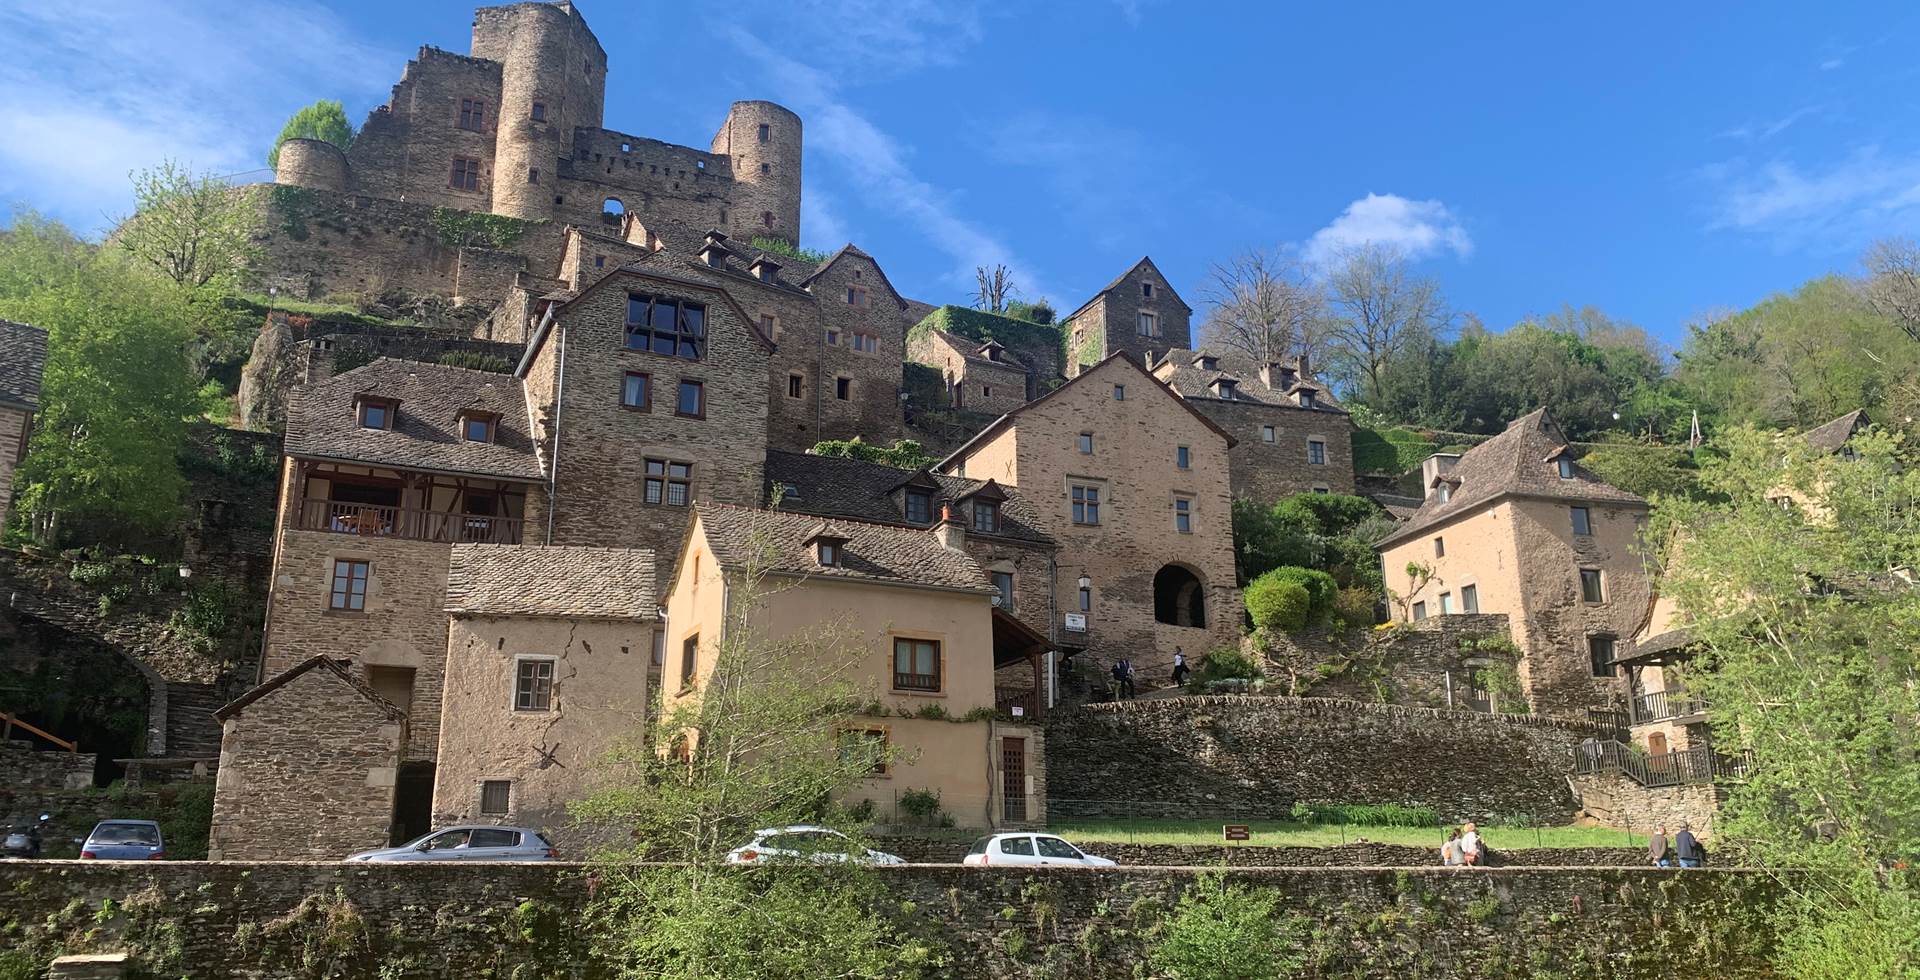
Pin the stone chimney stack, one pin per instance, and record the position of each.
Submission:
(953, 534)
(1300, 366)
(1434, 467)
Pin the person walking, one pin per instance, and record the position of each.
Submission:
(1179, 668)
(1472, 848)
(1687, 848)
(1658, 850)
(1126, 677)
(1452, 855)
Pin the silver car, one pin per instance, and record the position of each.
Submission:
(813, 845)
(475, 843)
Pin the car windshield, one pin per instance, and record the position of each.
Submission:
(126, 833)
(1054, 847)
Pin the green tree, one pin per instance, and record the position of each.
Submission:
(191, 228)
(1644, 468)
(1330, 532)
(325, 120)
(904, 454)
(118, 390)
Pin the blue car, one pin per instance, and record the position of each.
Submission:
(124, 840)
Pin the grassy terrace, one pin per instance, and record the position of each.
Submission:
(1286, 834)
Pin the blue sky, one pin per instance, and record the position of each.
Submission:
(1658, 161)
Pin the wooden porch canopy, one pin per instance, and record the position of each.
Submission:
(1659, 650)
(1015, 642)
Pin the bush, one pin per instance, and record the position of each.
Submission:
(1229, 932)
(1367, 814)
(923, 805)
(1278, 603)
(1356, 606)
(1227, 663)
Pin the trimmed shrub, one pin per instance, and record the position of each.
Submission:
(1355, 606)
(1228, 663)
(1278, 602)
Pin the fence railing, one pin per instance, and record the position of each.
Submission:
(1661, 705)
(1699, 764)
(345, 517)
(1608, 717)
(1005, 699)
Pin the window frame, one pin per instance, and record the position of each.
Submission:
(1470, 598)
(1598, 594)
(1440, 546)
(1183, 457)
(542, 687)
(857, 295)
(685, 334)
(938, 676)
(1084, 443)
(991, 508)
(1564, 466)
(924, 498)
(699, 388)
(1269, 435)
(1419, 610)
(505, 787)
(465, 169)
(472, 115)
(1119, 393)
(489, 426)
(1182, 514)
(538, 113)
(1582, 518)
(842, 388)
(389, 406)
(1148, 324)
(1446, 603)
(646, 391)
(1083, 503)
(689, 661)
(857, 737)
(865, 343)
(1006, 595)
(359, 573)
(1316, 452)
(666, 481)
(1611, 643)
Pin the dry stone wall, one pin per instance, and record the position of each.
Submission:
(939, 850)
(50, 769)
(1617, 801)
(1253, 757)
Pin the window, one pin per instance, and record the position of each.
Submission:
(1017, 845)
(843, 389)
(829, 553)
(496, 795)
(1445, 490)
(476, 428)
(1183, 458)
(1439, 547)
(533, 175)
(473, 114)
(1566, 468)
(1582, 520)
(1085, 442)
(1590, 586)
(986, 516)
(856, 745)
(796, 385)
(986, 391)
(491, 837)
(1322, 489)
(1316, 452)
(1469, 598)
(1419, 611)
(831, 338)
(637, 391)
(1266, 433)
(770, 325)
(539, 112)
(394, 684)
(766, 168)
(674, 328)
(1306, 399)
(1119, 393)
(533, 686)
(1146, 290)
(1149, 324)
(916, 664)
(1086, 598)
(659, 649)
(766, 132)
(856, 295)
(919, 507)
(376, 413)
(1183, 515)
(1446, 603)
(1086, 505)
(668, 482)
(349, 585)
(1003, 581)
(692, 401)
(466, 174)
(1600, 655)
(689, 654)
(865, 343)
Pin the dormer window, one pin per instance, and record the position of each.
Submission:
(1566, 467)
(1444, 491)
(477, 426)
(829, 553)
(1225, 388)
(829, 549)
(919, 506)
(1207, 362)
(376, 413)
(986, 516)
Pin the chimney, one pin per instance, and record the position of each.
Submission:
(1277, 376)
(953, 534)
(764, 269)
(1434, 467)
(1300, 366)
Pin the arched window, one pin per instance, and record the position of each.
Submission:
(611, 210)
(1178, 597)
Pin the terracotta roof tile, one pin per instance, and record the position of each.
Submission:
(873, 552)
(23, 359)
(568, 583)
(322, 421)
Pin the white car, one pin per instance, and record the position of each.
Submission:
(1026, 850)
(816, 845)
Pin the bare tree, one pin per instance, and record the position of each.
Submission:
(1262, 303)
(1380, 307)
(996, 288)
(1893, 282)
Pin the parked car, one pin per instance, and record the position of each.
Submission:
(1000, 850)
(818, 845)
(476, 843)
(123, 840)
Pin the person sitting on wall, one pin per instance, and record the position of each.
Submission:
(1472, 848)
(1452, 854)
(1687, 848)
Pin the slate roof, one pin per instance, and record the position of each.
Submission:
(1146, 260)
(969, 349)
(330, 667)
(879, 553)
(1518, 462)
(1180, 373)
(1401, 508)
(322, 421)
(23, 359)
(1662, 646)
(832, 486)
(567, 583)
(1829, 438)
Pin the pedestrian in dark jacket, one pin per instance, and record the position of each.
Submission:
(1658, 850)
(1687, 848)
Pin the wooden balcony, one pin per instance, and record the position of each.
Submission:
(1699, 764)
(1665, 705)
(344, 517)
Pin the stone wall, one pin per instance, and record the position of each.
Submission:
(1617, 801)
(464, 920)
(25, 768)
(1422, 664)
(1267, 471)
(1372, 854)
(1252, 757)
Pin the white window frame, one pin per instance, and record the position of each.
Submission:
(553, 676)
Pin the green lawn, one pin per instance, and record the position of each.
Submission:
(1283, 834)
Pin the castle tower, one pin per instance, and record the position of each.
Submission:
(764, 141)
(553, 78)
(311, 163)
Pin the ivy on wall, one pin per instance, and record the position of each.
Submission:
(456, 228)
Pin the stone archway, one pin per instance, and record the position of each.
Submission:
(1179, 597)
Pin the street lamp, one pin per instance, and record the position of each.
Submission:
(1085, 582)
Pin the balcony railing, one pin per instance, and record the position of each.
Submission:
(915, 682)
(1661, 705)
(1005, 699)
(372, 520)
(1699, 764)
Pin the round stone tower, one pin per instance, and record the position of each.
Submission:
(311, 163)
(553, 78)
(764, 141)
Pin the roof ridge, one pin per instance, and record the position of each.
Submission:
(806, 516)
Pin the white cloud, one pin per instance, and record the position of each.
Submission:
(1832, 63)
(1417, 228)
(1839, 204)
(1766, 129)
(96, 90)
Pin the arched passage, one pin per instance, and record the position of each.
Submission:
(1179, 598)
(611, 210)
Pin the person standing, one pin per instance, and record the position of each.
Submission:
(1658, 850)
(1451, 853)
(1126, 677)
(1179, 668)
(1472, 849)
(1687, 848)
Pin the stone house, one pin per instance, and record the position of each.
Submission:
(900, 613)
(980, 377)
(1132, 482)
(1138, 313)
(1291, 435)
(23, 357)
(1517, 526)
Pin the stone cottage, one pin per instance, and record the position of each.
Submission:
(1138, 313)
(979, 376)
(1291, 435)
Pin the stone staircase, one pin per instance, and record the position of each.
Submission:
(192, 731)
